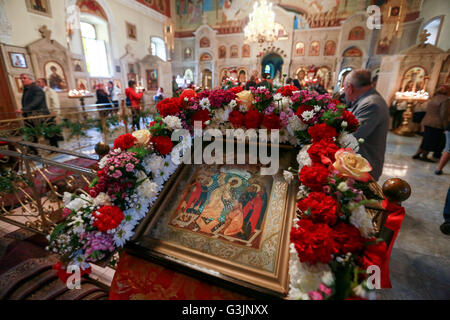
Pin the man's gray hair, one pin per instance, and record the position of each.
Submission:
(359, 78)
(30, 76)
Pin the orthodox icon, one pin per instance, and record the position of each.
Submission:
(55, 76)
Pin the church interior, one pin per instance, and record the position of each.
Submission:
(353, 94)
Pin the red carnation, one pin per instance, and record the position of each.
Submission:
(162, 144)
(374, 255)
(188, 93)
(314, 177)
(323, 152)
(352, 122)
(236, 90)
(124, 142)
(319, 208)
(347, 238)
(287, 90)
(201, 115)
(253, 119)
(272, 121)
(314, 242)
(236, 118)
(168, 107)
(321, 131)
(107, 218)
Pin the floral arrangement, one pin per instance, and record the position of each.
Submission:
(332, 240)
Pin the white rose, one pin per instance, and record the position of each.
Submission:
(173, 122)
(343, 187)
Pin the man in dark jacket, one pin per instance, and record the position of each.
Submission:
(33, 104)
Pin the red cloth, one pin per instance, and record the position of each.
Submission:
(135, 98)
(393, 222)
(137, 279)
(195, 195)
(255, 204)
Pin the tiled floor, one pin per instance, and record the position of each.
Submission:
(420, 261)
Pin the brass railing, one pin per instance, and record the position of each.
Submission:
(73, 124)
(32, 187)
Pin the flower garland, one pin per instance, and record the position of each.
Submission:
(332, 239)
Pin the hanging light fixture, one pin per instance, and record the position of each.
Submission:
(261, 26)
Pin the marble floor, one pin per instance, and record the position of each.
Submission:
(420, 261)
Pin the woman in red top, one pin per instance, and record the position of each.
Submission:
(135, 101)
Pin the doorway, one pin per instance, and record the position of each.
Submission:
(272, 64)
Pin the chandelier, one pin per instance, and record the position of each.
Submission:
(261, 26)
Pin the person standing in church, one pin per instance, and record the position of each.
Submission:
(33, 103)
(135, 101)
(372, 112)
(114, 94)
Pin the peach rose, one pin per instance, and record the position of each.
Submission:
(246, 97)
(350, 164)
(142, 137)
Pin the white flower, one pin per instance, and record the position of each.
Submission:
(303, 157)
(295, 124)
(344, 124)
(243, 107)
(102, 162)
(205, 104)
(67, 198)
(303, 277)
(154, 163)
(361, 220)
(232, 104)
(347, 140)
(102, 200)
(78, 203)
(186, 99)
(361, 140)
(147, 189)
(328, 279)
(283, 136)
(288, 176)
(123, 233)
(308, 115)
(302, 192)
(343, 186)
(173, 122)
(277, 97)
(363, 293)
(317, 108)
(286, 102)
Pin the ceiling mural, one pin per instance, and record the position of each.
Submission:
(230, 16)
(162, 6)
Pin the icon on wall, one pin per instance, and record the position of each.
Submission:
(300, 49)
(55, 76)
(314, 48)
(41, 7)
(330, 48)
(18, 60)
(131, 31)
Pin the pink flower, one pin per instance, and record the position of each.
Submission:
(117, 174)
(66, 212)
(314, 295)
(129, 167)
(325, 289)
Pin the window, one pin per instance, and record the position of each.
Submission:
(158, 48)
(433, 27)
(94, 50)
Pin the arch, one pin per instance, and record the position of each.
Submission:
(206, 57)
(357, 33)
(352, 52)
(314, 48)
(272, 62)
(92, 7)
(299, 49)
(414, 79)
(207, 79)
